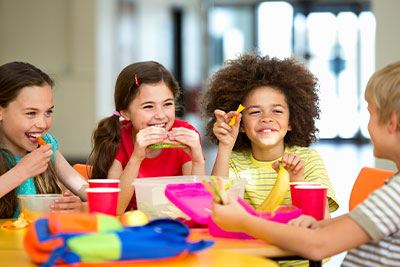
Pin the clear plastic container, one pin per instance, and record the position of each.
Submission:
(151, 199)
(37, 202)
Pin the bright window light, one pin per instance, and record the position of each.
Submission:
(275, 29)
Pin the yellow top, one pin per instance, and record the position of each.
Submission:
(261, 176)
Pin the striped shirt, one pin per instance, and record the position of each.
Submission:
(261, 176)
(379, 216)
(261, 179)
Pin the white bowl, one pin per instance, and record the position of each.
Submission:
(37, 202)
(151, 199)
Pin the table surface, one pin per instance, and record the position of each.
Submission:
(225, 252)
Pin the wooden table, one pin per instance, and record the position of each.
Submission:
(13, 254)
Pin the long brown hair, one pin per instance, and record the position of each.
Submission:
(14, 77)
(106, 138)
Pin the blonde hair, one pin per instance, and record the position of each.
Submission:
(383, 92)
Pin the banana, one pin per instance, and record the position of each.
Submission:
(278, 192)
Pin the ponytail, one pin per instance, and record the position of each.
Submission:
(105, 140)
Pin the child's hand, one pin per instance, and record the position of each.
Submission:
(68, 202)
(146, 137)
(226, 134)
(293, 164)
(304, 221)
(189, 138)
(226, 212)
(35, 162)
(229, 216)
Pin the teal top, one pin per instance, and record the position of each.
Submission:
(28, 187)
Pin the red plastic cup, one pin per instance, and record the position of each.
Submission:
(103, 200)
(293, 190)
(312, 200)
(109, 183)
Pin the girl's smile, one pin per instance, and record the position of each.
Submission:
(26, 118)
(154, 106)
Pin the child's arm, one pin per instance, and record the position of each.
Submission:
(31, 165)
(70, 177)
(190, 138)
(226, 136)
(330, 239)
(142, 140)
(126, 177)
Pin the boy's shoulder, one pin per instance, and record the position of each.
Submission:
(395, 178)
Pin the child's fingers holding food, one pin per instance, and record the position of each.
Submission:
(292, 162)
(211, 190)
(299, 165)
(220, 115)
(275, 165)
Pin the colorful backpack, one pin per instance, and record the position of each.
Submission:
(69, 238)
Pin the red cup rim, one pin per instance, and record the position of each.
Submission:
(102, 190)
(103, 181)
(304, 183)
(311, 187)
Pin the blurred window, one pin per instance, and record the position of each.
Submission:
(341, 52)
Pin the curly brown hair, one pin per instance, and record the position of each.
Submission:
(230, 86)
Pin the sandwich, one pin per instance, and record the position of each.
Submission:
(168, 144)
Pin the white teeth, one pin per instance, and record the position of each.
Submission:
(267, 131)
(160, 125)
(35, 135)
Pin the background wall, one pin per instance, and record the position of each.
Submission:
(58, 36)
(74, 42)
(387, 44)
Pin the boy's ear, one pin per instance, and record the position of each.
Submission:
(125, 115)
(1, 113)
(393, 123)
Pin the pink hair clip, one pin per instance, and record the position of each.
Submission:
(116, 113)
(137, 82)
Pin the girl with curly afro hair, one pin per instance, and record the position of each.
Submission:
(277, 125)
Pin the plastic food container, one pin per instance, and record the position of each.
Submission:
(151, 199)
(195, 201)
(38, 202)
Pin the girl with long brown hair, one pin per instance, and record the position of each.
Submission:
(144, 97)
(26, 107)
